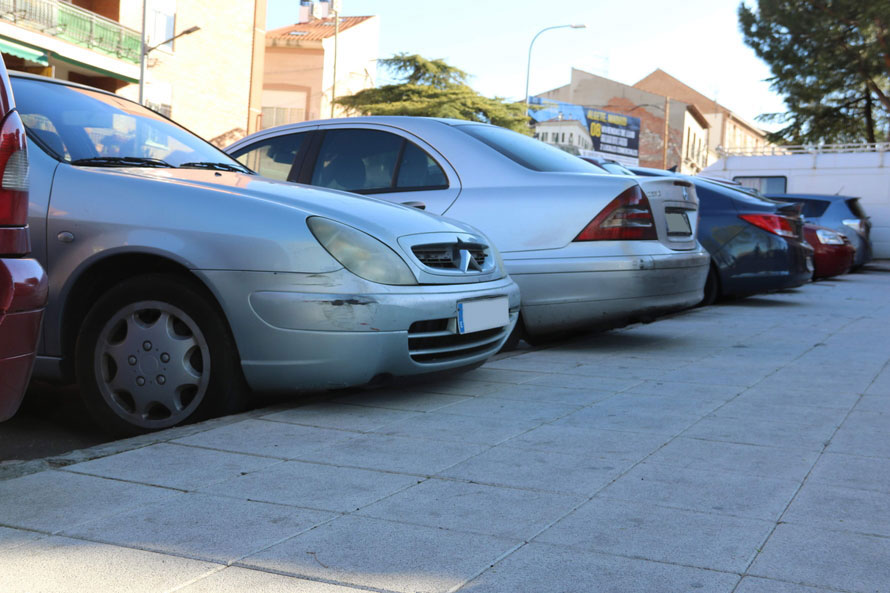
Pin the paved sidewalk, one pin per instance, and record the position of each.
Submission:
(739, 448)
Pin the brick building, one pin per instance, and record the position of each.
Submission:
(673, 133)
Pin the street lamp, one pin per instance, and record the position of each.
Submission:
(530, 45)
(144, 51)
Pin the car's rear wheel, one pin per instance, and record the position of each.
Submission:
(154, 352)
(712, 287)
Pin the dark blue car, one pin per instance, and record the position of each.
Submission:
(756, 244)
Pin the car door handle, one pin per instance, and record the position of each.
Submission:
(418, 205)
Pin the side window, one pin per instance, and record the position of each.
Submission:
(272, 157)
(418, 170)
(357, 160)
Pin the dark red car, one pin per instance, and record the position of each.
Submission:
(23, 285)
(834, 254)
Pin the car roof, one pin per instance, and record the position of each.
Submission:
(18, 74)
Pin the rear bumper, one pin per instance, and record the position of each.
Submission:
(560, 294)
(832, 260)
(23, 292)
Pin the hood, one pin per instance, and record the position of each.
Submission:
(379, 218)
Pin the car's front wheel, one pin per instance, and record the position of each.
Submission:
(154, 352)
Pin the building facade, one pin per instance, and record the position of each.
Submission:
(98, 43)
(668, 127)
(728, 130)
(301, 78)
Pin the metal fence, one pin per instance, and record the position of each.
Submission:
(807, 149)
(74, 24)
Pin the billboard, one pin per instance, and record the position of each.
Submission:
(615, 136)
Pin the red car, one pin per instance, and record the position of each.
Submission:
(834, 254)
(23, 285)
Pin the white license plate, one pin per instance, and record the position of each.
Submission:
(482, 314)
(677, 223)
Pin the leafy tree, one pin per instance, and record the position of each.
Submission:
(432, 88)
(830, 59)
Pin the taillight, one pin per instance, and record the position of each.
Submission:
(627, 217)
(857, 224)
(13, 172)
(773, 223)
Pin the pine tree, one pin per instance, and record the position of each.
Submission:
(433, 88)
(830, 59)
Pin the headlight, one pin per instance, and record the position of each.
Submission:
(360, 253)
(827, 237)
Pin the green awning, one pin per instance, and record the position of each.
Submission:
(24, 52)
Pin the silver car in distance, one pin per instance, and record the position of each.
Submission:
(586, 248)
(179, 280)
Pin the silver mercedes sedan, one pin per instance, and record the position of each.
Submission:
(179, 280)
(586, 248)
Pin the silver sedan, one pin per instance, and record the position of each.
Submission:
(179, 280)
(586, 248)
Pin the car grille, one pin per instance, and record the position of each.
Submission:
(432, 341)
(440, 255)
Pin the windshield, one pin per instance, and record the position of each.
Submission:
(528, 152)
(79, 124)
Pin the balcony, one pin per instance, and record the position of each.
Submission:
(75, 25)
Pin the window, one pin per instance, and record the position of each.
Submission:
(272, 157)
(765, 185)
(371, 161)
(526, 151)
(160, 23)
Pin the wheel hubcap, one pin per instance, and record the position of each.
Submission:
(152, 364)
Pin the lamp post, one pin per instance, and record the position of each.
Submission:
(144, 51)
(528, 69)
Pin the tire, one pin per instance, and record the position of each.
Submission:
(154, 352)
(517, 334)
(712, 287)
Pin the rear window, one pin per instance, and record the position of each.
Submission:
(528, 152)
(766, 185)
(811, 208)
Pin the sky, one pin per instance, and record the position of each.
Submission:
(696, 41)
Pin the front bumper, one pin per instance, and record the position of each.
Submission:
(560, 294)
(320, 331)
(19, 328)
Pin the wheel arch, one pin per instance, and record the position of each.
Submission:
(98, 275)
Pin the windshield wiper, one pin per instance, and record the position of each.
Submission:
(121, 161)
(214, 166)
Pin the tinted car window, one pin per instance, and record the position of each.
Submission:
(528, 152)
(272, 157)
(856, 208)
(78, 123)
(418, 170)
(356, 160)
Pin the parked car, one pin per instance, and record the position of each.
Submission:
(586, 249)
(608, 165)
(841, 213)
(178, 279)
(756, 244)
(23, 284)
(833, 253)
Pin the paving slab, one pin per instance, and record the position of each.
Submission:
(485, 430)
(642, 530)
(711, 491)
(341, 416)
(586, 441)
(412, 400)
(759, 585)
(475, 508)
(173, 466)
(52, 501)
(821, 557)
(63, 565)
(852, 471)
(540, 470)
(527, 410)
(760, 431)
(551, 394)
(863, 433)
(12, 538)
(315, 486)
(631, 419)
(201, 526)
(536, 568)
(384, 555)
(244, 580)
(835, 507)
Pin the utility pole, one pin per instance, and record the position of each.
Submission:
(335, 7)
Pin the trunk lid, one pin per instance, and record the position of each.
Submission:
(675, 210)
